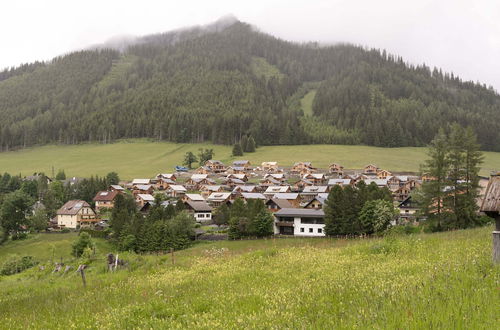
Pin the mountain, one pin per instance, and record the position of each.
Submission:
(220, 82)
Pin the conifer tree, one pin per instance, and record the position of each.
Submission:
(237, 151)
(250, 145)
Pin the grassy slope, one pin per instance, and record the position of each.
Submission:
(307, 101)
(140, 158)
(427, 281)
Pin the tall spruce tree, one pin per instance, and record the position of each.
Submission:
(237, 151)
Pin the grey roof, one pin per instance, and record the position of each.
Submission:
(282, 203)
(253, 196)
(291, 212)
(72, 207)
(315, 189)
(199, 206)
(286, 196)
(240, 162)
(243, 188)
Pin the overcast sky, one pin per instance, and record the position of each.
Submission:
(458, 36)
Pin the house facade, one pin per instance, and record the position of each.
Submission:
(300, 222)
(75, 214)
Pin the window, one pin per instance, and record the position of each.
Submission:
(301, 230)
(310, 230)
(320, 230)
(201, 215)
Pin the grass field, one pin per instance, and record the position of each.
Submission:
(142, 158)
(426, 281)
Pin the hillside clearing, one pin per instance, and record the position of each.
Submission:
(142, 158)
(441, 280)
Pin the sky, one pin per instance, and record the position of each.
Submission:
(458, 36)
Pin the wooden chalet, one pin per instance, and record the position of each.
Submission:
(383, 174)
(316, 203)
(116, 187)
(408, 211)
(215, 166)
(163, 183)
(274, 205)
(244, 164)
(401, 193)
(272, 190)
(370, 169)
(167, 176)
(219, 198)
(336, 169)
(175, 190)
(206, 190)
(292, 198)
(242, 176)
(301, 167)
(142, 199)
(142, 189)
(317, 179)
(340, 182)
(105, 200)
(202, 170)
(201, 211)
(192, 198)
(269, 166)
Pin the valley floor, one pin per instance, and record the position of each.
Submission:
(443, 280)
(141, 158)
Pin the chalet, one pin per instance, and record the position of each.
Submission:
(301, 184)
(105, 200)
(201, 211)
(231, 182)
(336, 169)
(316, 178)
(274, 205)
(245, 164)
(195, 183)
(300, 222)
(310, 192)
(116, 187)
(141, 199)
(426, 177)
(236, 170)
(141, 182)
(305, 171)
(202, 170)
(316, 203)
(142, 189)
(269, 166)
(292, 198)
(379, 182)
(215, 166)
(370, 169)
(243, 177)
(340, 182)
(275, 176)
(206, 190)
(269, 181)
(401, 193)
(219, 198)
(408, 211)
(167, 176)
(193, 198)
(383, 174)
(299, 167)
(163, 183)
(175, 190)
(393, 183)
(271, 190)
(412, 184)
(75, 214)
(38, 177)
(243, 188)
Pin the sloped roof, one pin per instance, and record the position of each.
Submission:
(287, 196)
(199, 206)
(141, 181)
(281, 203)
(315, 189)
(146, 197)
(105, 196)
(293, 212)
(195, 197)
(72, 207)
(253, 196)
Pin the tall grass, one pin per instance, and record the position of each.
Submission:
(441, 280)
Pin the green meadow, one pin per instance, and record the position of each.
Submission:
(143, 158)
(421, 281)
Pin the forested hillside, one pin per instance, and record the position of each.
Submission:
(217, 84)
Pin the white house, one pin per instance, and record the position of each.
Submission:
(74, 214)
(300, 222)
(201, 211)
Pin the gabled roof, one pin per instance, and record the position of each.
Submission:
(281, 203)
(195, 197)
(140, 181)
(72, 207)
(378, 182)
(288, 196)
(253, 196)
(143, 186)
(105, 196)
(165, 176)
(199, 206)
(342, 182)
(146, 197)
(315, 189)
(117, 187)
(211, 187)
(244, 188)
(276, 189)
(240, 162)
(199, 176)
(307, 213)
(269, 164)
(237, 176)
(177, 187)
(317, 198)
(277, 176)
(219, 196)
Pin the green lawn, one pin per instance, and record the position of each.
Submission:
(444, 280)
(141, 158)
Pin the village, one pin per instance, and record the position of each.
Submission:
(295, 195)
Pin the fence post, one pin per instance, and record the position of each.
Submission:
(173, 256)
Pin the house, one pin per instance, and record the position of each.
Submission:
(393, 183)
(274, 205)
(218, 198)
(38, 177)
(408, 211)
(198, 180)
(215, 166)
(269, 166)
(193, 198)
(271, 190)
(299, 167)
(316, 203)
(305, 171)
(379, 182)
(275, 176)
(141, 182)
(299, 185)
(206, 190)
(201, 211)
(292, 198)
(175, 190)
(426, 177)
(401, 193)
(316, 178)
(236, 170)
(340, 182)
(310, 192)
(243, 188)
(231, 182)
(370, 169)
(105, 200)
(142, 189)
(141, 199)
(167, 176)
(245, 164)
(202, 170)
(336, 169)
(163, 183)
(243, 177)
(300, 222)
(116, 187)
(383, 174)
(75, 214)
(269, 181)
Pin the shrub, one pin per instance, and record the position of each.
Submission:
(65, 230)
(17, 264)
(19, 236)
(83, 242)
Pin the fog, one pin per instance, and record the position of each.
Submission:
(458, 36)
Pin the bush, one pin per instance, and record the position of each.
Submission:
(19, 236)
(65, 230)
(17, 264)
(83, 242)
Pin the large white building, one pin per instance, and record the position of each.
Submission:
(75, 214)
(300, 222)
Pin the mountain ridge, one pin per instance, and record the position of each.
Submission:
(225, 80)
